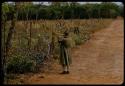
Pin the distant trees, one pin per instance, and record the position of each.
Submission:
(68, 10)
(121, 11)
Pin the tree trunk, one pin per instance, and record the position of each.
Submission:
(52, 45)
(11, 30)
(9, 38)
(3, 47)
(30, 33)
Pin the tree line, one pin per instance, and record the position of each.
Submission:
(65, 10)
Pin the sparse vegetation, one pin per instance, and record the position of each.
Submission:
(30, 32)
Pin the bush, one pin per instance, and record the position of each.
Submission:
(20, 64)
(77, 39)
(85, 37)
(38, 57)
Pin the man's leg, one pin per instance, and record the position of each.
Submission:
(64, 69)
(67, 69)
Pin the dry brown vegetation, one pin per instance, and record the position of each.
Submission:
(41, 33)
(98, 61)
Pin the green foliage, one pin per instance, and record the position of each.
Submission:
(78, 40)
(37, 57)
(5, 8)
(20, 63)
(66, 10)
(121, 11)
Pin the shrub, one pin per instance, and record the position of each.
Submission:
(77, 39)
(19, 64)
(85, 37)
(38, 57)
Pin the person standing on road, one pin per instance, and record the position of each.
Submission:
(65, 58)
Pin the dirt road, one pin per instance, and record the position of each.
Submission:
(98, 61)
